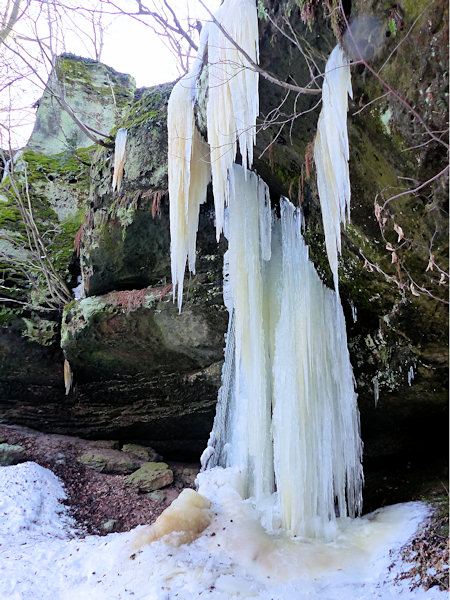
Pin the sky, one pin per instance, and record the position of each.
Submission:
(129, 47)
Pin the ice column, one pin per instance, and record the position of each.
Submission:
(316, 438)
(249, 229)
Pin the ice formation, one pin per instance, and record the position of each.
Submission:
(180, 523)
(231, 115)
(287, 417)
(119, 158)
(287, 413)
(233, 101)
(331, 154)
(317, 446)
(189, 175)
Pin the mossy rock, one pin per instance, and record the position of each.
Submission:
(140, 331)
(150, 477)
(11, 454)
(143, 452)
(125, 241)
(113, 462)
(97, 94)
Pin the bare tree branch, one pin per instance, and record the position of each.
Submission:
(255, 66)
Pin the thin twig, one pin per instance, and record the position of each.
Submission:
(255, 66)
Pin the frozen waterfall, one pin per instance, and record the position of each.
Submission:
(287, 417)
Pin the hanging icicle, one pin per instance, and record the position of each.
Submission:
(189, 175)
(331, 154)
(231, 115)
(119, 158)
(233, 103)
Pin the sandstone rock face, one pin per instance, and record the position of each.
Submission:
(125, 243)
(139, 374)
(96, 93)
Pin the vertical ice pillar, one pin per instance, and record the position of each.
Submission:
(249, 237)
(317, 447)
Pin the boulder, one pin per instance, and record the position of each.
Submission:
(109, 461)
(11, 454)
(151, 476)
(143, 452)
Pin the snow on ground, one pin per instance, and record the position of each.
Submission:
(43, 556)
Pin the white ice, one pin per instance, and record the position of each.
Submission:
(331, 154)
(189, 175)
(42, 555)
(232, 109)
(119, 158)
(233, 101)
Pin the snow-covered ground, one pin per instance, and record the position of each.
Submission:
(42, 556)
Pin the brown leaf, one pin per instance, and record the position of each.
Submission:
(377, 211)
(399, 230)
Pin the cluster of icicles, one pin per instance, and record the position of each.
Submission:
(287, 416)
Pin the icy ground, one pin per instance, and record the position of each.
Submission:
(43, 556)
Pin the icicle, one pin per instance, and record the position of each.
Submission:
(233, 103)
(354, 312)
(189, 175)
(331, 154)
(376, 389)
(68, 376)
(119, 158)
(7, 167)
(410, 375)
(218, 447)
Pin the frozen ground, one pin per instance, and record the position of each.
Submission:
(42, 556)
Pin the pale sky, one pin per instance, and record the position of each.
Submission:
(129, 47)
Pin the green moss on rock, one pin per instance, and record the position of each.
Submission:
(151, 476)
